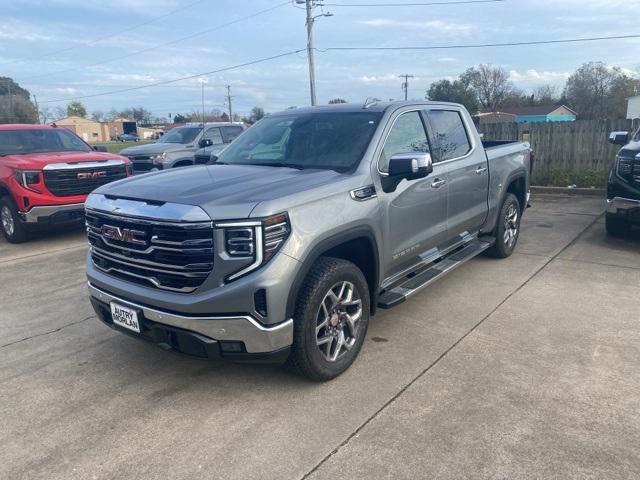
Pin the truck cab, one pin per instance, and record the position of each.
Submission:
(623, 186)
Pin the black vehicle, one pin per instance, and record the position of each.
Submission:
(623, 188)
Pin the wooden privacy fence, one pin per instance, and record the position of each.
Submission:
(571, 145)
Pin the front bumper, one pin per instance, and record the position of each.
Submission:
(253, 337)
(626, 209)
(54, 213)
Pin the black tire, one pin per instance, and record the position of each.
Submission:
(10, 223)
(504, 246)
(309, 358)
(616, 227)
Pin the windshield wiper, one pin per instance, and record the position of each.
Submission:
(277, 164)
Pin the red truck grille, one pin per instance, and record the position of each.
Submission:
(80, 181)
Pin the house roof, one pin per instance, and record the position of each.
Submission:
(537, 110)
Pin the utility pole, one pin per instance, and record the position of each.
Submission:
(310, 5)
(35, 101)
(10, 99)
(202, 81)
(405, 84)
(229, 97)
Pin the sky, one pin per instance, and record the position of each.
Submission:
(64, 49)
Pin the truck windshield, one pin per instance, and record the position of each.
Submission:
(180, 135)
(18, 142)
(330, 141)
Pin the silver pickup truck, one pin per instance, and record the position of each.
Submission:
(285, 246)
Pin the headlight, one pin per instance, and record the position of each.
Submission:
(161, 157)
(26, 178)
(257, 240)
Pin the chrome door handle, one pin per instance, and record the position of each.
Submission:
(481, 170)
(438, 183)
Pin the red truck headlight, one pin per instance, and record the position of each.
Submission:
(26, 178)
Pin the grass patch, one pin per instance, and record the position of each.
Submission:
(116, 147)
(563, 177)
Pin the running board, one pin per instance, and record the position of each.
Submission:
(415, 282)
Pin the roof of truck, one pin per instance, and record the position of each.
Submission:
(371, 106)
(25, 126)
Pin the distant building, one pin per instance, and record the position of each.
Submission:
(542, 114)
(633, 107)
(88, 130)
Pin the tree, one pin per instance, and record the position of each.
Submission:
(76, 109)
(491, 85)
(456, 92)
(179, 118)
(597, 91)
(257, 113)
(546, 95)
(17, 109)
(9, 87)
(97, 116)
(334, 101)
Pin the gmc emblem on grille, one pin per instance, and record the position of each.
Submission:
(123, 234)
(91, 175)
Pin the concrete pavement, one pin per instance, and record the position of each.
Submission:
(526, 367)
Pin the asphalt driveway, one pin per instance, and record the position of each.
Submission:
(520, 368)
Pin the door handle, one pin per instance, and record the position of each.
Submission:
(481, 170)
(437, 183)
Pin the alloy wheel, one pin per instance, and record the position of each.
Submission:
(511, 226)
(337, 321)
(7, 220)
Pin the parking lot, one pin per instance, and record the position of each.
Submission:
(523, 368)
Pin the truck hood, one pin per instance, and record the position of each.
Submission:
(37, 161)
(223, 191)
(153, 149)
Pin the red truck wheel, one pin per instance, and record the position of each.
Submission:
(11, 224)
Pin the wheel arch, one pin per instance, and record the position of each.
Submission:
(357, 245)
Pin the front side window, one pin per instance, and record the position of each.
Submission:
(231, 133)
(328, 141)
(214, 135)
(16, 142)
(451, 135)
(406, 136)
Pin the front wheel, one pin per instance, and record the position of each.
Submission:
(331, 319)
(507, 230)
(12, 227)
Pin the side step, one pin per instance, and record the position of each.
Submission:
(418, 280)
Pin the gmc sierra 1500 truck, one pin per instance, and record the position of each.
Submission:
(286, 244)
(623, 187)
(46, 173)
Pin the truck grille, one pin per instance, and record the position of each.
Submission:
(164, 255)
(81, 181)
(141, 163)
(629, 168)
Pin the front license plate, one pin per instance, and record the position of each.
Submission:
(125, 317)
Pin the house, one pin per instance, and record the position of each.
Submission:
(633, 107)
(542, 114)
(89, 130)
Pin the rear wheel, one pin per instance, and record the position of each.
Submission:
(616, 226)
(507, 230)
(11, 224)
(331, 319)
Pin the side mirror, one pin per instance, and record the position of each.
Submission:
(205, 142)
(410, 165)
(212, 160)
(619, 138)
(100, 148)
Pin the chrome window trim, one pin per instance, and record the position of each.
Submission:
(80, 165)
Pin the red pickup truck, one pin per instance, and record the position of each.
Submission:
(46, 173)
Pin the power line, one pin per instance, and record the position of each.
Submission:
(111, 35)
(166, 82)
(484, 45)
(420, 4)
(165, 44)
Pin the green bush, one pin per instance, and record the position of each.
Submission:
(563, 177)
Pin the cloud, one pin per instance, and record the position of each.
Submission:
(438, 25)
(535, 77)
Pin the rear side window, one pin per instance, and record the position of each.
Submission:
(406, 136)
(450, 134)
(230, 133)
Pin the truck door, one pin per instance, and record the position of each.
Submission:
(417, 209)
(467, 171)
